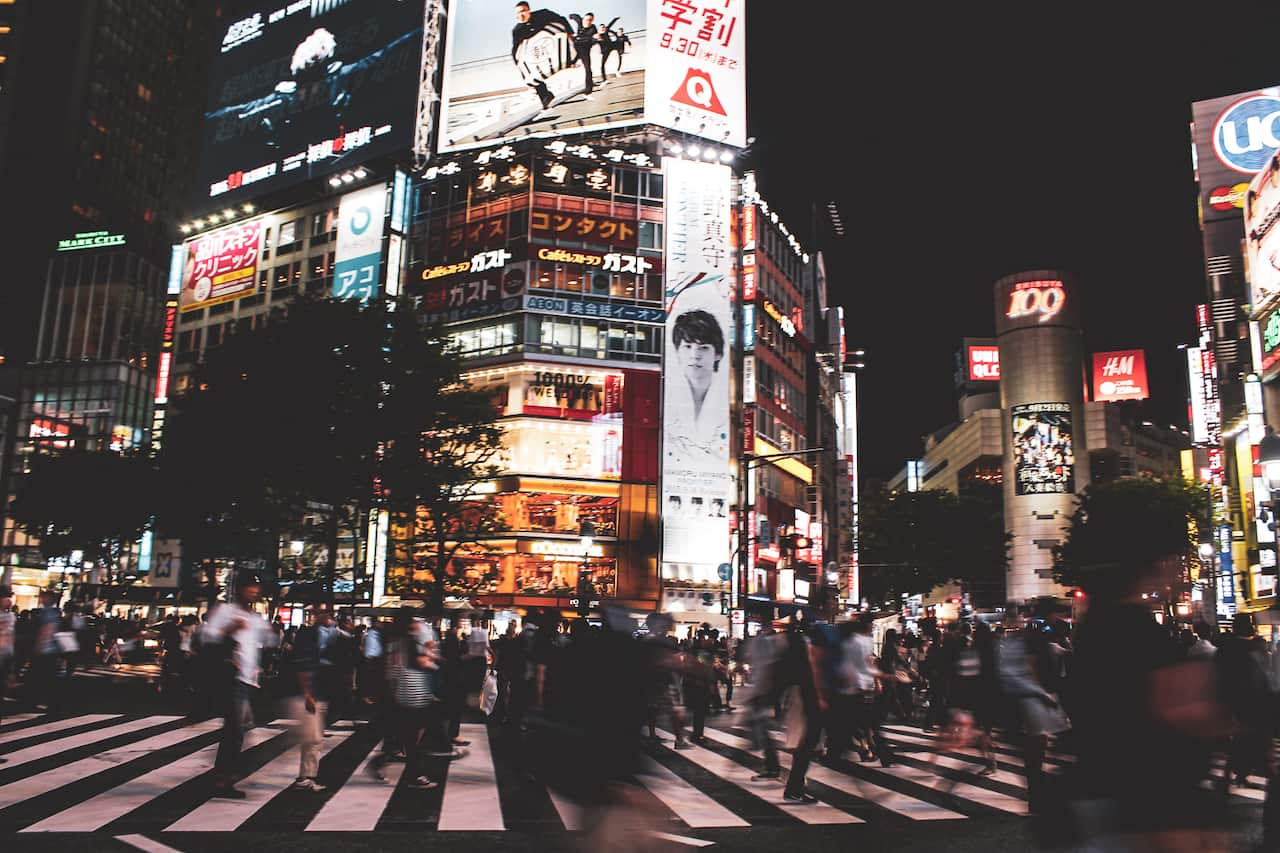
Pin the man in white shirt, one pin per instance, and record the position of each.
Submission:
(237, 628)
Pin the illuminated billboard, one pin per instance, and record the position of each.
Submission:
(1120, 376)
(221, 266)
(1262, 237)
(357, 271)
(300, 90)
(1235, 136)
(565, 69)
(982, 362)
(1044, 301)
(1043, 455)
(697, 485)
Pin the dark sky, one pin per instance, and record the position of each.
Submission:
(965, 141)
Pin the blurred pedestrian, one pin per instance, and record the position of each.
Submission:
(314, 665)
(234, 635)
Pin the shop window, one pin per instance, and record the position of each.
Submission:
(650, 235)
(536, 575)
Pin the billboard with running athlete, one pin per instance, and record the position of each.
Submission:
(536, 69)
(304, 89)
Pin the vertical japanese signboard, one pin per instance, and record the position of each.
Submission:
(221, 266)
(697, 485)
(357, 270)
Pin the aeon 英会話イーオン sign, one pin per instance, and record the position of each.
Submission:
(1247, 133)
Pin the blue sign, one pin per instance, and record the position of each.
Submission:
(748, 326)
(1245, 136)
(724, 571)
(605, 310)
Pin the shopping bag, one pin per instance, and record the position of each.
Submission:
(67, 642)
(489, 694)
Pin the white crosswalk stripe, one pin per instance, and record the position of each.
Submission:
(770, 791)
(699, 788)
(97, 812)
(358, 805)
(54, 726)
(884, 797)
(70, 742)
(223, 815)
(471, 791)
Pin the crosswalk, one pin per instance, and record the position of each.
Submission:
(134, 774)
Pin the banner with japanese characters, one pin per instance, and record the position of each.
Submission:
(221, 266)
(1044, 461)
(697, 484)
(357, 272)
(697, 80)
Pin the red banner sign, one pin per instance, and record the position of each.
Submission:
(221, 266)
(984, 363)
(1120, 376)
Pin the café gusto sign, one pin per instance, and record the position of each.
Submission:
(1040, 299)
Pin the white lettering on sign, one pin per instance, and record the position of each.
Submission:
(615, 262)
(564, 549)
(497, 259)
(1030, 298)
(1118, 366)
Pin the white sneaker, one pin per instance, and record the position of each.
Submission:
(310, 785)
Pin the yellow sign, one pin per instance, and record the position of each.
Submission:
(564, 549)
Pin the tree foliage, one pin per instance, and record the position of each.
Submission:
(334, 405)
(1124, 525)
(910, 542)
(93, 502)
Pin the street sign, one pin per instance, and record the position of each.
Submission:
(725, 571)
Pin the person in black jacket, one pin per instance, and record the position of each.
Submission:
(529, 24)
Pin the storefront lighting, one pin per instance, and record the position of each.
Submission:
(362, 173)
(726, 156)
(248, 208)
(709, 154)
(348, 178)
(185, 229)
(694, 151)
(1206, 550)
(228, 213)
(214, 219)
(335, 181)
(296, 546)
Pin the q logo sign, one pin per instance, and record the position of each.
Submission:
(1245, 136)
(1040, 299)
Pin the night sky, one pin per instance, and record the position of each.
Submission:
(963, 142)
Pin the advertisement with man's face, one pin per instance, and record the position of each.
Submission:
(299, 90)
(1043, 456)
(696, 482)
(1262, 236)
(527, 69)
(221, 266)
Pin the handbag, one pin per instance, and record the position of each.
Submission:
(489, 693)
(66, 642)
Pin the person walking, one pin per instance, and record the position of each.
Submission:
(233, 636)
(801, 667)
(314, 650)
(413, 663)
(583, 41)
(857, 707)
(763, 652)
(7, 632)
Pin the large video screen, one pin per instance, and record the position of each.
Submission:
(1044, 461)
(514, 70)
(305, 88)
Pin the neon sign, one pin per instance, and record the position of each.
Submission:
(1031, 298)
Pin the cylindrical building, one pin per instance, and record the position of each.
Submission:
(1046, 461)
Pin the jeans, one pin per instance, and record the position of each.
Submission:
(237, 721)
(761, 735)
(310, 732)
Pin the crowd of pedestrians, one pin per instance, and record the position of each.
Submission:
(1143, 707)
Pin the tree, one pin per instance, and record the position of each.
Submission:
(1121, 527)
(333, 405)
(94, 502)
(910, 542)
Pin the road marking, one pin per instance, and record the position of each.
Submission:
(144, 843)
(14, 719)
(689, 804)
(684, 839)
(64, 744)
(739, 775)
(893, 801)
(471, 793)
(963, 764)
(58, 777)
(222, 815)
(571, 814)
(358, 805)
(55, 726)
(96, 812)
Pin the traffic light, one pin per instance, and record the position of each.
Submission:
(787, 544)
(800, 543)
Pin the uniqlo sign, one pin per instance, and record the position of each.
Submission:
(1120, 376)
(984, 363)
